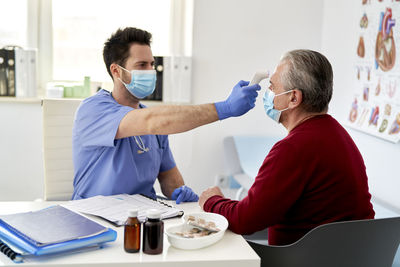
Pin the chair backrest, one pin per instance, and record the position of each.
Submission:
(245, 154)
(362, 243)
(243, 157)
(58, 119)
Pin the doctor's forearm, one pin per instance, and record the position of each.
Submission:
(166, 119)
(177, 119)
(170, 180)
(168, 187)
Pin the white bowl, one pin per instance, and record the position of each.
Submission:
(197, 242)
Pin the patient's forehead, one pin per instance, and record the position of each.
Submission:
(276, 77)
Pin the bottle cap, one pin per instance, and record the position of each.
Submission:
(154, 214)
(133, 212)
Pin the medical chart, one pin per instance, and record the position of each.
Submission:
(375, 105)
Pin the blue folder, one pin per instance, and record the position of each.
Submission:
(16, 236)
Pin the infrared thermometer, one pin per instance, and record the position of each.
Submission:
(259, 76)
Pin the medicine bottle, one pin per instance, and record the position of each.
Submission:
(132, 232)
(153, 233)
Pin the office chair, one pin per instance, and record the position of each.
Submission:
(244, 156)
(58, 118)
(362, 243)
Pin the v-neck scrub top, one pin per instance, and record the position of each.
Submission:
(104, 165)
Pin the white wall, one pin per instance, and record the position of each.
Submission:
(231, 40)
(21, 162)
(339, 43)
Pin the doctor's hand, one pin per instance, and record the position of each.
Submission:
(240, 101)
(212, 191)
(184, 194)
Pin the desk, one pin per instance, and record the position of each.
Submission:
(232, 250)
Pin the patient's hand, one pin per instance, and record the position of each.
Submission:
(211, 191)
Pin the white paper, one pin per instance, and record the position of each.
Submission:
(115, 208)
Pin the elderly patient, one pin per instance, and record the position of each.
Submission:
(315, 175)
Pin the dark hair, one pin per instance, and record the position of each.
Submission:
(310, 72)
(116, 48)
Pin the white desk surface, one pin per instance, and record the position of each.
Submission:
(232, 250)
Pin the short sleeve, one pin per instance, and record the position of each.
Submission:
(97, 120)
(167, 159)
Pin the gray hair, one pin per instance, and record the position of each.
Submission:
(311, 73)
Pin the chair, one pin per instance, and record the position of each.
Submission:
(362, 243)
(244, 156)
(58, 118)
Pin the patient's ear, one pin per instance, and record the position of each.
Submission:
(296, 98)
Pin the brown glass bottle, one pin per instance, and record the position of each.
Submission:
(132, 233)
(153, 233)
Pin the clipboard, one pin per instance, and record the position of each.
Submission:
(114, 208)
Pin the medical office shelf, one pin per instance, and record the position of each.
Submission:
(38, 100)
(20, 100)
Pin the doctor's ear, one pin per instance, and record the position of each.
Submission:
(115, 70)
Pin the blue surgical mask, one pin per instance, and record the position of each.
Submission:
(269, 97)
(143, 82)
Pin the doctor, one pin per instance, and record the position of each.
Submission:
(119, 145)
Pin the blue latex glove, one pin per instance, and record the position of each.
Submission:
(184, 194)
(241, 100)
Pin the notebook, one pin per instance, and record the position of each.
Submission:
(51, 230)
(115, 208)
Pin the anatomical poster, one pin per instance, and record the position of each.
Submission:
(375, 106)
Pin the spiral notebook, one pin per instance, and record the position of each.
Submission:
(115, 208)
(51, 230)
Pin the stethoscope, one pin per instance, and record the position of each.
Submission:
(142, 147)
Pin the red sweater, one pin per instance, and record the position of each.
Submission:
(314, 176)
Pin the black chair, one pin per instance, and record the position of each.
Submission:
(361, 243)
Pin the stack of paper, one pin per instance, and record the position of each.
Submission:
(115, 208)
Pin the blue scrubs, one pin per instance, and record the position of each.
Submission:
(104, 165)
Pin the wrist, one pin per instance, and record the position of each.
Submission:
(209, 203)
(223, 110)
